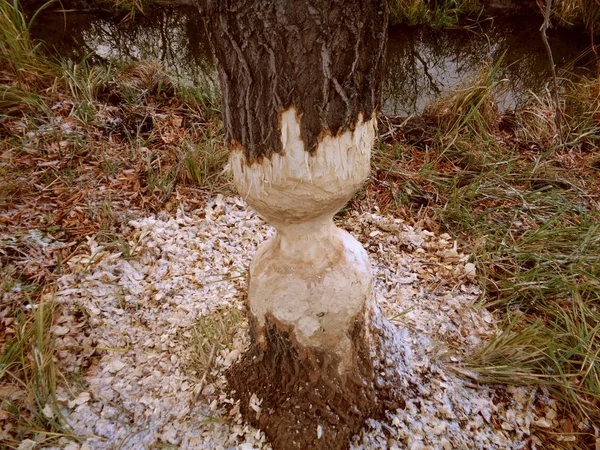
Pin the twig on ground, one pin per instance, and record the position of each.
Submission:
(209, 364)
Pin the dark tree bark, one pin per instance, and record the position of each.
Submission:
(324, 57)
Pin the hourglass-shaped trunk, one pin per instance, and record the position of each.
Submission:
(300, 81)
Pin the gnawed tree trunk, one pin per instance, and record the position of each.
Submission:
(300, 81)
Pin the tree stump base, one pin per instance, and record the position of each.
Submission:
(297, 396)
(300, 83)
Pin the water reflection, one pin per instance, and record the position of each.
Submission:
(176, 37)
(421, 64)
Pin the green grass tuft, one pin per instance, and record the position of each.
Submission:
(28, 372)
(21, 62)
(437, 14)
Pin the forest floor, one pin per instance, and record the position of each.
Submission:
(119, 231)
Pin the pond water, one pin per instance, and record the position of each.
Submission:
(422, 64)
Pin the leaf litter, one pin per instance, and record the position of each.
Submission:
(128, 326)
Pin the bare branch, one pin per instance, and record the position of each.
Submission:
(558, 113)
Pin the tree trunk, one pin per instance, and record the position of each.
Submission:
(300, 82)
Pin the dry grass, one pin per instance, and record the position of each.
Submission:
(147, 77)
(447, 13)
(21, 64)
(130, 7)
(411, 12)
(209, 336)
(83, 149)
(580, 107)
(471, 107)
(528, 207)
(578, 12)
(28, 377)
(437, 14)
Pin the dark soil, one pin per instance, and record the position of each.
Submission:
(301, 390)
